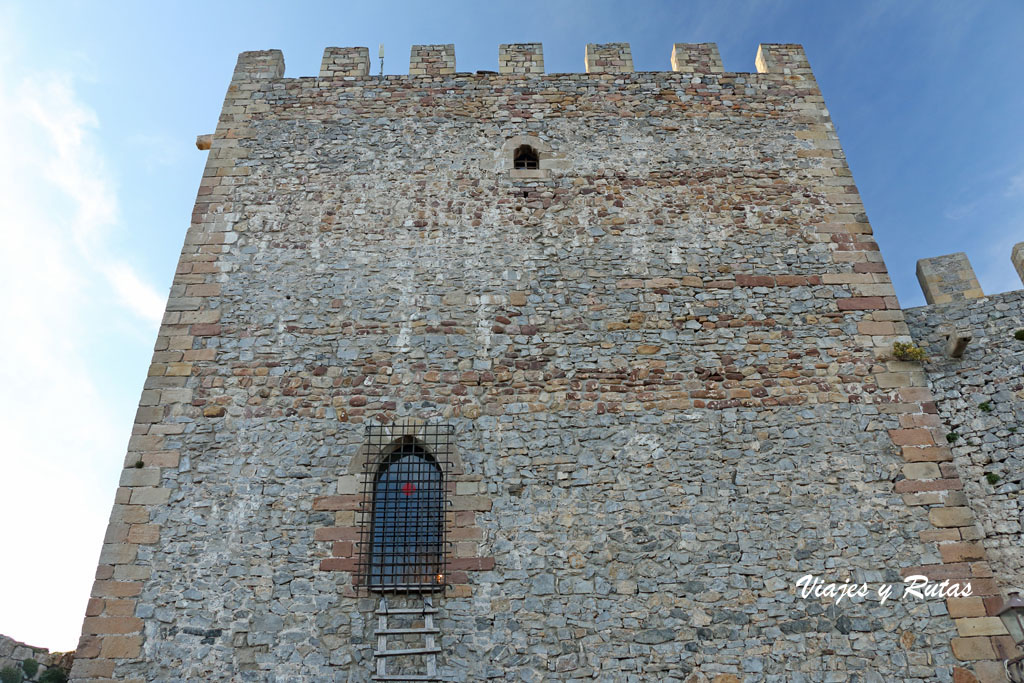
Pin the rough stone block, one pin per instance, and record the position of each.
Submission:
(345, 61)
(696, 58)
(432, 60)
(948, 278)
(523, 59)
(1017, 256)
(608, 58)
(786, 59)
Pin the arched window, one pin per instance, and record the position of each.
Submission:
(525, 158)
(407, 523)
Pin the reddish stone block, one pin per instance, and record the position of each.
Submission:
(938, 572)
(861, 303)
(914, 485)
(963, 676)
(911, 437)
(755, 280)
(327, 503)
(968, 649)
(961, 552)
(100, 625)
(339, 564)
(342, 549)
(88, 647)
(926, 453)
(92, 668)
(205, 330)
(869, 267)
(474, 564)
(94, 607)
(336, 533)
(116, 589)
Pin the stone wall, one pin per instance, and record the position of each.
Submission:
(666, 358)
(980, 399)
(13, 653)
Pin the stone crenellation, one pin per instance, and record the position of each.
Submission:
(608, 58)
(664, 352)
(700, 58)
(948, 278)
(525, 59)
(432, 60)
(345, 61)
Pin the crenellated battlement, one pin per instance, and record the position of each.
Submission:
(950, 278)
(527, 60)
(345, 61)
(699, 58)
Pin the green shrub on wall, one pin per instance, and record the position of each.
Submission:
(30, 667)
(909, 351)
(54, 675)
(9, 674)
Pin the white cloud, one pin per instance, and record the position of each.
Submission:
(63, 289)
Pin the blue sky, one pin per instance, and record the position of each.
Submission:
(100, 105)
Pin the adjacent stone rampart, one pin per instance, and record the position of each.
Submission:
(980, 399)
(13, 654)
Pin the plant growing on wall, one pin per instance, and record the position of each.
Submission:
(30, 667)
(909, 351)
(54, 675)
(1019, 334)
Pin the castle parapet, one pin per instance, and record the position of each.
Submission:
(1018, 259)
(948, 278)
(259, 64)
(609, 58)
(696, 58)
(523, 59)
(345, 61)
(784, 58)
(432, 60)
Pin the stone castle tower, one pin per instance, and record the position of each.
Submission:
(553, 376)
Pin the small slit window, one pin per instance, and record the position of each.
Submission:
(525, 158)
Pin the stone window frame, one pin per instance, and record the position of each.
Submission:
(547, 159)
(434, 452)
(465, 491)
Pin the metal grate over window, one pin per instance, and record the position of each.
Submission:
(525, 158)
(403, 534)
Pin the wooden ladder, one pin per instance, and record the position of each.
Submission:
(429, 651)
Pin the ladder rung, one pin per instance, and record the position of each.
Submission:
(412, 677)
(408, 610)
(400, 631)
(411, 651)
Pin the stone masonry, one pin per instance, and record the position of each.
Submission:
(608, 58)
(948, 278)
(666, 354)
(980, 400)
(345, 61)
(526, 59)
(14, 653)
